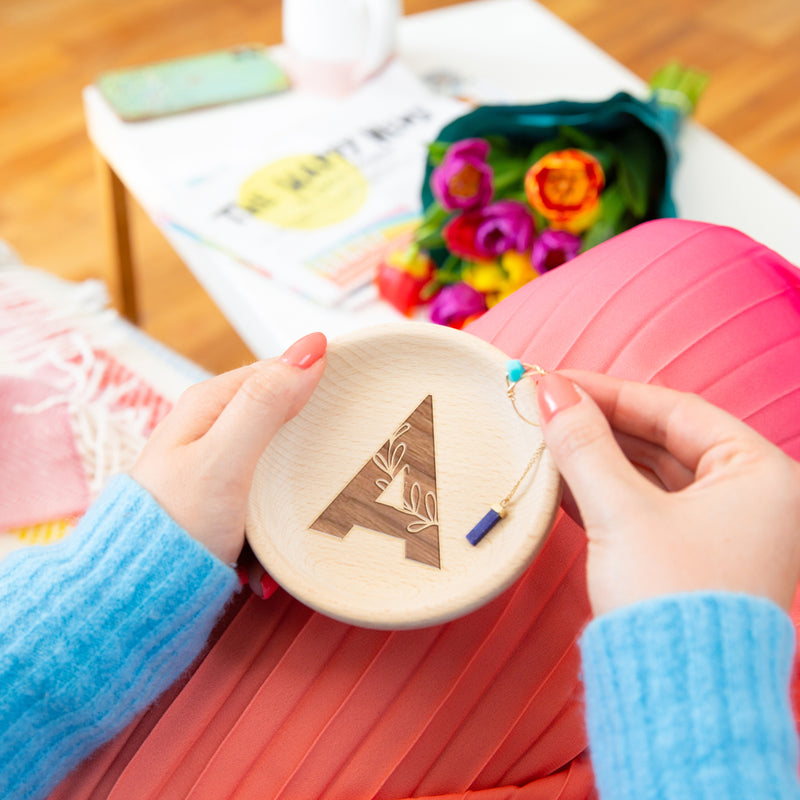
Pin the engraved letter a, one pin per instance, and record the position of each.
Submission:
(407, 455)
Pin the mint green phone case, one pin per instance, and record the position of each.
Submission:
(183, 84)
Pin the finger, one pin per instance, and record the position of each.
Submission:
(570, 506)
(581, 441)
(198, 407)
(655, 463)
(684, 425)
(652, 462)
(272, 395)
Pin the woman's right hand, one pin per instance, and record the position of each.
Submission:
(199, 462)
(718, 510)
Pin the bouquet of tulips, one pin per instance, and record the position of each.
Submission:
(512, 192)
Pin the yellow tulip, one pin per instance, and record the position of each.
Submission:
(485, 276)
(416, 263)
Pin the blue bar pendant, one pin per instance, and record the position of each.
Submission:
(490, 519)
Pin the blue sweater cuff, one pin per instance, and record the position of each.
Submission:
(688, 696)
(95, 628)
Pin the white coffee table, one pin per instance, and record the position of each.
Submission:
(489, 40)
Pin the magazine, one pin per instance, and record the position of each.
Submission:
(324, 204)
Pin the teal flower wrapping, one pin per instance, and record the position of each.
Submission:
(639, 136)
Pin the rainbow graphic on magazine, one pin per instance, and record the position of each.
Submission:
(354, 261)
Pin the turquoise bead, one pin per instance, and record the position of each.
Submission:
(515, 370)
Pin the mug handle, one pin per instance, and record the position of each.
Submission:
(381, 23)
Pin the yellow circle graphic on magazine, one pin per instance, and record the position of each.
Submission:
(305, 191)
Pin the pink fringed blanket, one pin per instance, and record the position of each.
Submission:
(80, 391)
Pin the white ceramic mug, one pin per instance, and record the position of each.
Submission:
(334, 45)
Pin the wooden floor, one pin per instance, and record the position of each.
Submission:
(49, 49)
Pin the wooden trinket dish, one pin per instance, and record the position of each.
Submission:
(361, 505)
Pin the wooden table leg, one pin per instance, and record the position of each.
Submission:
(122, 283)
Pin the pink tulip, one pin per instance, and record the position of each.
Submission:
(553, 248)
(463, 181)
(490, 231)
(456, 304)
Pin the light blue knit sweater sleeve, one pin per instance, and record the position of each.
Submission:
(93, 629)
(687, 697)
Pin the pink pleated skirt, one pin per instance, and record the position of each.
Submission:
(286, 703)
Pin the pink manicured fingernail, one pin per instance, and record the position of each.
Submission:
(306, 351)
(268, 585)
(555, 393)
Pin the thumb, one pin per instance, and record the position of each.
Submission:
(274, 392)
(578, 436)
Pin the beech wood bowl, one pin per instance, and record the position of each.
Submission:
(361, 505)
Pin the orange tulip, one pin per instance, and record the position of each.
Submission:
(564, 184)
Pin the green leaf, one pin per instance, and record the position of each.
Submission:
(578, 138)
(598, 233)
(517, 194)
(667, 77)
(635, 163)
(450, 271)
(429, 240)
(608, 156)
(429, 290)
(428, 234)
(674, 77)
(541, 149)
(541, 221)
(614, 218)
(632, 188)
(511, 177)
(436, 152)
(502, 160)
(498, 145)
(613, 208)
(434, 215)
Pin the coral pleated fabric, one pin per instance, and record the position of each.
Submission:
(289, 704)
